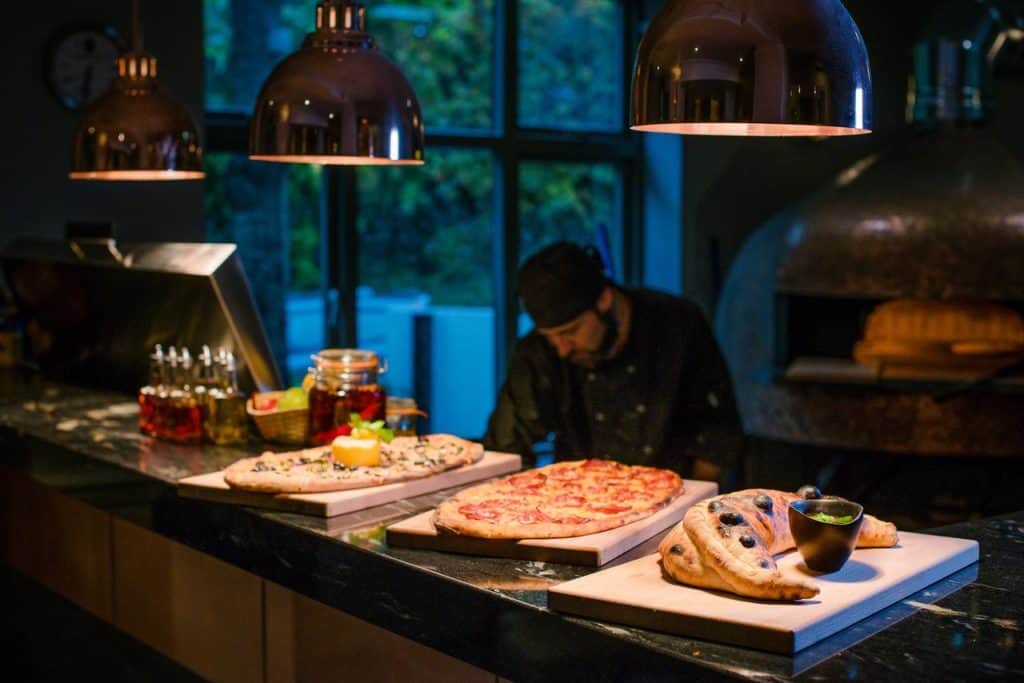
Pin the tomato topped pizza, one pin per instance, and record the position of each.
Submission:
(565, 499)
(315, 470)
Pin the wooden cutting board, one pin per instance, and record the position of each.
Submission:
(636, 594)
(592, 550)
(212, 487)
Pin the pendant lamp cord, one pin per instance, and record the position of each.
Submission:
(136, 29)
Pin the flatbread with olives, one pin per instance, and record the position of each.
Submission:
(313, 470)
(728, 543)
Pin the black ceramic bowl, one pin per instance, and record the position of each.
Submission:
(825, 546)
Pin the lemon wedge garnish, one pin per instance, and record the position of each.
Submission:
(356, 452)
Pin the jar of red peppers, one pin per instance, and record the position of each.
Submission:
(342, 382)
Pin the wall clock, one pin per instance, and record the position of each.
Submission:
(81, 63)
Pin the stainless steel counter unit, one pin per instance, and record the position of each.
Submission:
(93, 309)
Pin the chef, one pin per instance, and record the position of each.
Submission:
(632, 375)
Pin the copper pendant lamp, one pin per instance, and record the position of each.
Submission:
(136, 131)
(752, 67)
(337, 100)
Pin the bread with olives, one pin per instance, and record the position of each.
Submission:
(728, 543)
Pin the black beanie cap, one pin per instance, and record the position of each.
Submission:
(560, 283)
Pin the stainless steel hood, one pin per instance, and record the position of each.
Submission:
(93, 309)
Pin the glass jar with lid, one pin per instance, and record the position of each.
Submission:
(402, 413)
(342, 382)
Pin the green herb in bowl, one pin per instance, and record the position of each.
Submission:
(831, 519)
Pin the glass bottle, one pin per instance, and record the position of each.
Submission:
(206, 379)
(149, 395)
(163, 410)
(185, 422)
(227, 422)
(344, 381)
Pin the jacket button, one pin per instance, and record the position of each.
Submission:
(641, 408)
(648, 450)
(599, 417)
(591, 377)
(631, 369)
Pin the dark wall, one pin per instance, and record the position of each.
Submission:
(37, 197)
(732, 185)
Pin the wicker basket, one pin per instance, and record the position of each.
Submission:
(280, 426)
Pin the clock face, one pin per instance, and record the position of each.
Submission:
(81, 65)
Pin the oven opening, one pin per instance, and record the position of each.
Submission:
(914, 344)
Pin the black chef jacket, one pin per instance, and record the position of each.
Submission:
(665, 400)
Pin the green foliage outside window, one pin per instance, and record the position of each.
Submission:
(565, 201)
(446, 50)
(244, 41)
(288, 197)
(570, 65)
(429, 228)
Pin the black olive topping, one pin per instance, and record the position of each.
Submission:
(764, 502)
(747, 541)
(731, 518)
(676, 549)
(715, 505)
(809, 492)
(765, 564)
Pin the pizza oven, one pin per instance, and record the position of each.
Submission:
(939, 217)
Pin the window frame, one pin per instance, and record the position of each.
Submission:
(509, 145)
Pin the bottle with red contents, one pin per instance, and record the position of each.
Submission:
(149, 395)
(344, 381)
(184, 420)
(162, 412)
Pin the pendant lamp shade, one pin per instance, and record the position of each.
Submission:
(136, 131)
(337, 100)
(752, 67)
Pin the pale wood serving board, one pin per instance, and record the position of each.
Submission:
(637, 594)
(212, 487)
(592, 550)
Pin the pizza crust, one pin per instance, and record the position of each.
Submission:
(728, 543)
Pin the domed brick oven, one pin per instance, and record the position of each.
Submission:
(939, 219)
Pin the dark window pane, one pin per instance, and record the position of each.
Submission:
(446, 50)
(573, 202)
(425, 300)
(272, 211)
(244, 41)
(570, 65)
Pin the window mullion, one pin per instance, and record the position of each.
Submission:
(342, 255)
(632, 170)
(505, 256)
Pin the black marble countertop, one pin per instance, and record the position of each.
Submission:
(490, 612)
